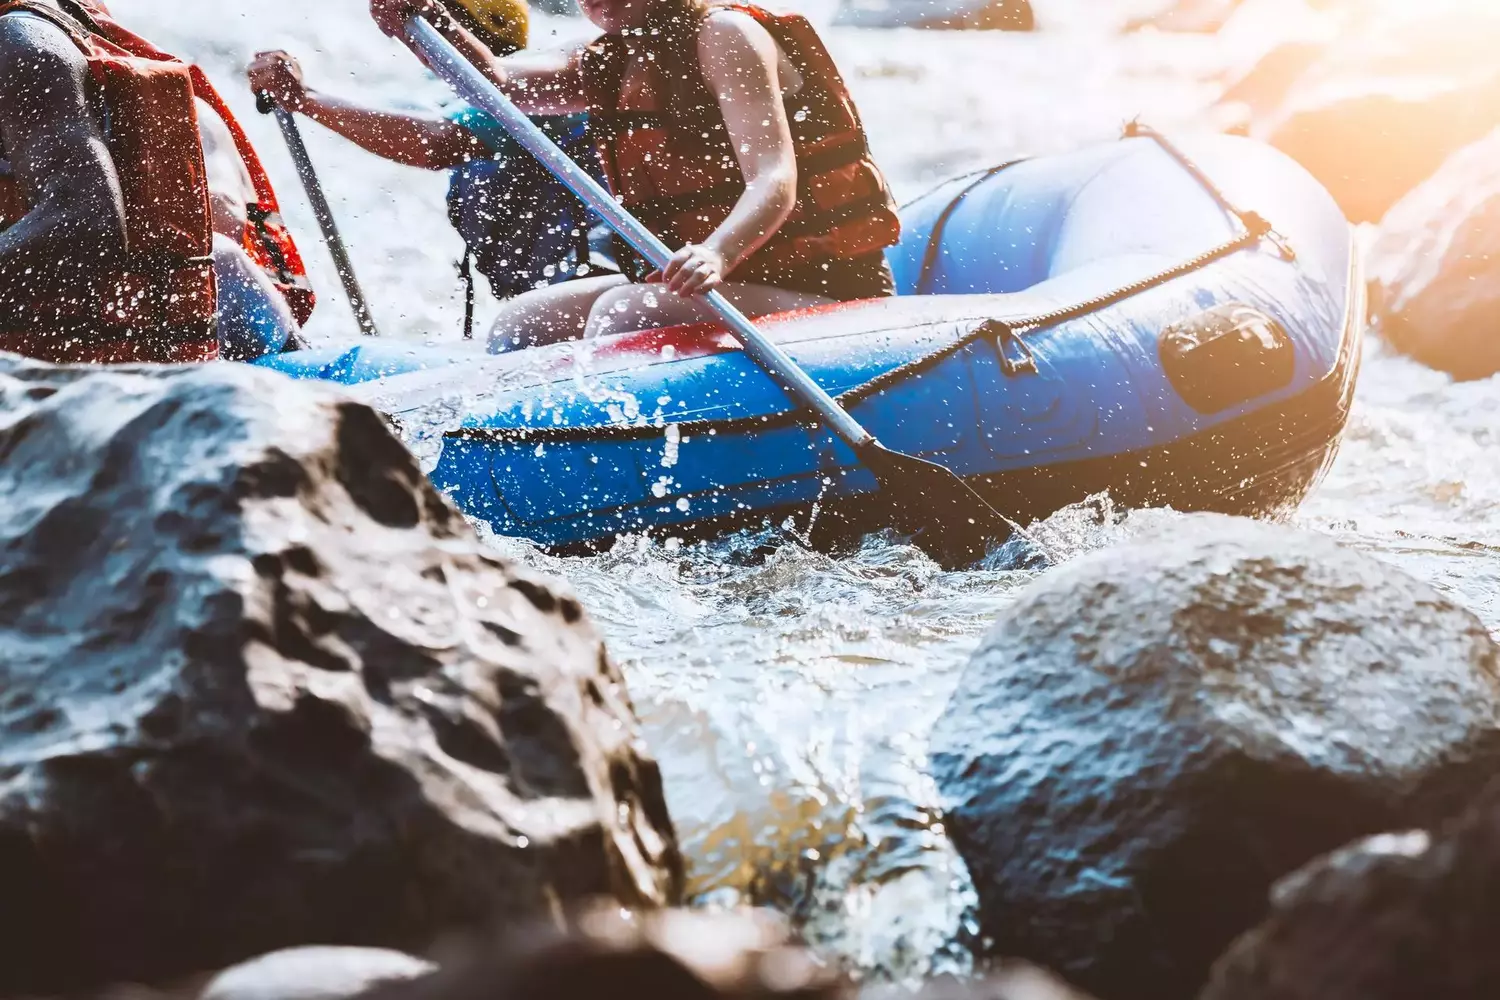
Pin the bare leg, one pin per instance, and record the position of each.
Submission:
(624, 308)
(548, 315)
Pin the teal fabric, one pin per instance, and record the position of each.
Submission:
(561, 129)
(523, 229)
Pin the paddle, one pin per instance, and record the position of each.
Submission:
(267, 104)
(946, 516)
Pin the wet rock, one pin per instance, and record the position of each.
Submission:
(315, 973)
(1378, 109)
(263, 687)
(1203, 16)
(1266, 85)
(984, 15)
(1392, 918)
(1154, 733)
(1435, 270)
(669, 955)
(1013, 981)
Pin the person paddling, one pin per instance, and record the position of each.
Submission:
(107, 244)
(728, 131)
(520, 226)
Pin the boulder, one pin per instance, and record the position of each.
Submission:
(1154, 733)
(669, 955)
(1375, 112)
(1435, 268)
(1392, 918)
(984, 15)
(315, 973)
(1012, 981)
(1267, 84)
(263, 687)
(1200, 16)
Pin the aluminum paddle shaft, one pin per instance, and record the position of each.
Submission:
(324, 212)
(924, 495)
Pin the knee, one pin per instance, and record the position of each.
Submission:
(525, 323)
(623, 309)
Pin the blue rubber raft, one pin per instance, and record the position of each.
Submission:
(1171, 326)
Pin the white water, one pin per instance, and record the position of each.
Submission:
(790, 700)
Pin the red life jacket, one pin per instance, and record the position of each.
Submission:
(160, 305)
(681, 176)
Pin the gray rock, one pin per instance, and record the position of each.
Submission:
(668, 955)
(263, 687)
(1188, 16)
(1435, 270)
(1391, 918)
(315, 973)
(1155, 733)
(1011, 981)
(1380, 107)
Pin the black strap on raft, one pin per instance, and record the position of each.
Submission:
(466, 272)
(940, 227)
(1007, 334)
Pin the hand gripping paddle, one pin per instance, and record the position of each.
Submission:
(947, 518)
(268, 105)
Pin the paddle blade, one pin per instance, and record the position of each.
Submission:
(945, 517)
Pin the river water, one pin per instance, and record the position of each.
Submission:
(790, 699)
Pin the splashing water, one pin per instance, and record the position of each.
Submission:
(790, 696)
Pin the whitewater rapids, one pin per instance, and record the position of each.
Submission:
(790, 699)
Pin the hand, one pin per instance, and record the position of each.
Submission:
(693, 270)
(279, 75)
(392, 15)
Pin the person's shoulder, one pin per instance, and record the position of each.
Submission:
(30, 44)
(728, 27)
(21, 29)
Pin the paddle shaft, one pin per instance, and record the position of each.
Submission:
(473, 86)
(323, 211)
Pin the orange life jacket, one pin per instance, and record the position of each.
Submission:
(160, 305)
(680, 176)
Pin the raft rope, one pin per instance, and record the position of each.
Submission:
(1005, 332)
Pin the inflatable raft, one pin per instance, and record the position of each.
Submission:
(1171, 326)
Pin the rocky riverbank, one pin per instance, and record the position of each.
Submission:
(265, 687)
(272, 695)
(789, 699)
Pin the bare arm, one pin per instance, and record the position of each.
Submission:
(540, 83)
(230, 190)
(739, 59)
(429, 143)
(77, 219)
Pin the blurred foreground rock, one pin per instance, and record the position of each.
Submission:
(682, 955)
(1395, 917)
(1374, 109)
(1435, 270)
(263, 686)
(1014, 981)
(1188, 16)
(1155, 733)
(315, 973)
(669, 955)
